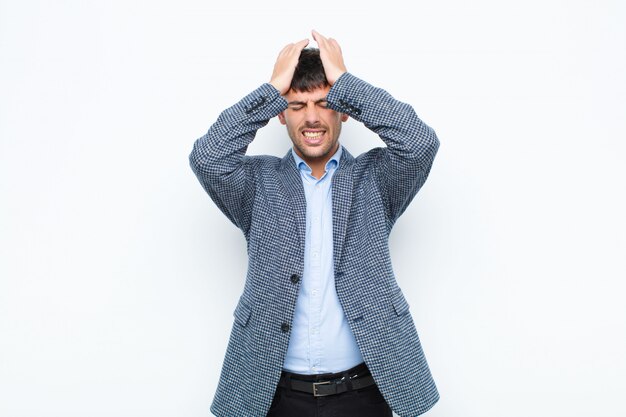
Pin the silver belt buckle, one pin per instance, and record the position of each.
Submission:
(315, 384)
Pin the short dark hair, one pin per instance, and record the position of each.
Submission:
(309, 74)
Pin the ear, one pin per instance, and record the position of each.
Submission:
(344, 117)
(281, 117)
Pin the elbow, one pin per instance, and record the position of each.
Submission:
(200, 157)
(430, 147)
(424, 143)
(195, 159)
(433, 141)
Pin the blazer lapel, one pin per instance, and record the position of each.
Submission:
(290, 177)
(342, 201)
(341, 195)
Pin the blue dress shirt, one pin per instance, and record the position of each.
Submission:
(321, 340)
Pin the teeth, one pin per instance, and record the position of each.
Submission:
(313, 134)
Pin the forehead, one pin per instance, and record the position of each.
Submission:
(314, 95)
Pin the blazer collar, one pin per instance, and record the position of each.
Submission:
(342, 184)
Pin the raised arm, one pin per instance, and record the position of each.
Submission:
(402, 167)
(218, 158)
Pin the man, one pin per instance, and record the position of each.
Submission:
(322, 328)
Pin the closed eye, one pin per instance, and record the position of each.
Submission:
(299, 105)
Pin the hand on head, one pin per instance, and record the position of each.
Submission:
(285, 66)
(332, 58)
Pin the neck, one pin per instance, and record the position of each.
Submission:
(318, 168)
(318, 165)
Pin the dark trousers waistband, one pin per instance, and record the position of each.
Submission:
(357, 371)
(321, 385)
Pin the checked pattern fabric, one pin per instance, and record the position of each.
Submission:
(264, 197)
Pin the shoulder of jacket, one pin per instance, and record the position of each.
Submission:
(366, 159)
(262, 161)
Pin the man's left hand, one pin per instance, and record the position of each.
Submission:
(332, 58)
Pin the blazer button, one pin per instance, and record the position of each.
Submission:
(284, 327)
(295, 278)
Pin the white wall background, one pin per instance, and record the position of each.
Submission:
(118, 276)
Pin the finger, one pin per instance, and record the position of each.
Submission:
(319, 38)
(302, 44)
(333, 43)
(289, 50)
(295, 48)
(325, 44)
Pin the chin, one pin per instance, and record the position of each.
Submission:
(315, 153)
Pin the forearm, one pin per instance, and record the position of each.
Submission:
(395, 122)
(222, 148)
(218, 157)
(403, 166)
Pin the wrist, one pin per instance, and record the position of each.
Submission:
(280, 86)
(336, 76)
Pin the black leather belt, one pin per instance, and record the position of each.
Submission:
(328, 384)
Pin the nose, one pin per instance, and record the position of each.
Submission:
(312, 116)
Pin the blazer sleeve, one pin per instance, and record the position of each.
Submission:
(402, 167)
(218, 158)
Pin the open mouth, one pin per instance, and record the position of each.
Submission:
(313, 137)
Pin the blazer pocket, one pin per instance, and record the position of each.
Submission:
(400, 305)
(242, 314)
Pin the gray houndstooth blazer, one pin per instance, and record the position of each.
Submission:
(264, 197)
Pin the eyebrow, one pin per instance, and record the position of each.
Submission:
(301, 103)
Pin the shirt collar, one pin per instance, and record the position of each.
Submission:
(333, 162)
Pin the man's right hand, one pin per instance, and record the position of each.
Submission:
(286, 65)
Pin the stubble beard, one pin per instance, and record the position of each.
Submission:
(324, 151)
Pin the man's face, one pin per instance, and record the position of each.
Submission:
(313, 128)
